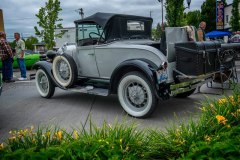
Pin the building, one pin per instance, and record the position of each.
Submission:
(69, 36)
(40, 47)
(227, 16)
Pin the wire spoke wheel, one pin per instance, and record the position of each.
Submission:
(64, 70)
(44, 84)
(135, 93)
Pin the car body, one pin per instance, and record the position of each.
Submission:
(235, 39)
(30, 59)
(114, 54)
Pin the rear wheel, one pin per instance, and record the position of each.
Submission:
(64, 70)
(136, 95)
(44, 84)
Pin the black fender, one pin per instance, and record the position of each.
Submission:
(47, 67)
(145, 66)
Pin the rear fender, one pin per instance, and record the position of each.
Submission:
(47, 67)
(144, 66)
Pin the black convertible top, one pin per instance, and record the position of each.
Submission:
(103, 18)
(115, 25)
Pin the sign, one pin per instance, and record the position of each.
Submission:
(220, 15)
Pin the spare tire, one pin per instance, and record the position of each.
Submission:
(64, 70)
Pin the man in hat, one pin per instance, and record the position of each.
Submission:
(201, 31)
(6, 55)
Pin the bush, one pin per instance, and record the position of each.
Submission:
(215, 135)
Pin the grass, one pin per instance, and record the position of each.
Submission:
(215, 135)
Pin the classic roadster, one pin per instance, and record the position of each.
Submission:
(114, 54)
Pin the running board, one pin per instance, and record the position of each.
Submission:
(90, 90)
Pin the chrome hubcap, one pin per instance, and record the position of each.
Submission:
(137, 95)
(64, 70)
(43, 82)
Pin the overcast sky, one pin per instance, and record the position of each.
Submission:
(19, 15)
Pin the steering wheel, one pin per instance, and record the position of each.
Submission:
(101, 38)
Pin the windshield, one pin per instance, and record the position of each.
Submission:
(89, 34)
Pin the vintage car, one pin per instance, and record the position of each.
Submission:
(30, 59)
(114, 54)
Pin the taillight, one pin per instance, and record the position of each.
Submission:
(165, 65)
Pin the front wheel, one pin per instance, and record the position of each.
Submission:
(136, 95)
(44, 84)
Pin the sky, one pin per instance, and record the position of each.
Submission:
(19, 15)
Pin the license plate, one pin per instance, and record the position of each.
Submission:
(161, 76)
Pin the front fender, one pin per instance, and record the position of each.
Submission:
(47, 67)
(146, 67)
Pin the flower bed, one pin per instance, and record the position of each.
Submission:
(214, 135)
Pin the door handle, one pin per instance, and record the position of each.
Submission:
(91, 54)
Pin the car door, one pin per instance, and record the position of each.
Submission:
(86, 41)
(87, 66)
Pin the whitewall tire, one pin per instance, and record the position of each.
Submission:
(136, 95)
(44, 84)
(64, 70)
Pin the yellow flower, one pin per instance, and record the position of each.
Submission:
(34, 141)
(75, 134)
(12, 138)
(1, 146)
(207, 138)
(48, 134)
(203, 109)
(238, 110)
(59, 135)
(222, 101)
(221, 119)
(228, 126)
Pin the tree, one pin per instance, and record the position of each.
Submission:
(49, 21)
(174, 12)
(30, 41)
(157, 32)
(235, 16)
(208, 14)
(193, 18)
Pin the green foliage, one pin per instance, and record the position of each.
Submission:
(224, 145)
(121, 141)
(157, 32)
(235, 19)
(48, 22)
(174, 12)
(208, 14)
(193, 18)
(30, 41)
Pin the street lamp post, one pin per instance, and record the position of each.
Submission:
(161, 1)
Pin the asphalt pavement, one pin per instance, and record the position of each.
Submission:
(21, 106)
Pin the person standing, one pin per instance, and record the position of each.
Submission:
(20, 55)
(6, 55)
(201, 32)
